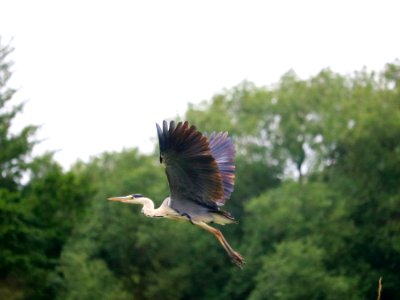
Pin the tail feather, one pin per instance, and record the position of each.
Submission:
(222, 217)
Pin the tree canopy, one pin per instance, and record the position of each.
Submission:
(317, 195)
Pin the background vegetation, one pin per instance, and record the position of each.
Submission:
(317, 196)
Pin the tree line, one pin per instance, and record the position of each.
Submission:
(317, 196)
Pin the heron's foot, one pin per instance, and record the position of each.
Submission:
(187, 216)
(237, 259)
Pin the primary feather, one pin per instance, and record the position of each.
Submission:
(199, 169)
(223, 151)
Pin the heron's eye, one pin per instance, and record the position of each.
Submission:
(137, 195)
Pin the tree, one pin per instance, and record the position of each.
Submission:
(367, 169)
(296, 270)
(317, 197)
(15, 148)
(14, 152)
(35, 218)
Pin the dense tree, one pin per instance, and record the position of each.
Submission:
(296, 270)
(35, 218)
(317, 197)
(367, 169)
(15, 149)
(338, 130)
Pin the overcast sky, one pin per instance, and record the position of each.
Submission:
(98, 75)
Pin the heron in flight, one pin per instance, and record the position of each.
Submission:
(201, 174)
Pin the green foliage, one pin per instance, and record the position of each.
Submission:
(15, 148)
(99, 282)
(367, 170)
(293, 212)
(37, 218)
(15, 232)
(296, 270)
(341, 135)
(35, 225)
(317, 197)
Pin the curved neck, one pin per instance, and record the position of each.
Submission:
(148, 205)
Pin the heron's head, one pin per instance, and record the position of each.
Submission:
(133, 199)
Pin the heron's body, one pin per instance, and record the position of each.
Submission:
(199, 214)
(201, 173)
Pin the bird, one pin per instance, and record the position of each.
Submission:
(200, 170)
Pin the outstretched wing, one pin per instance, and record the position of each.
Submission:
(223, 151)
(193, 173)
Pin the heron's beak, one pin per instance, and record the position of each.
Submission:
(121, 199)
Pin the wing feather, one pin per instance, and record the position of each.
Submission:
(223, 151)
(192, 171)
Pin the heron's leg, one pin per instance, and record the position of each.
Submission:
(235, 256)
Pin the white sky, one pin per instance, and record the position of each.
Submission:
(98, 74)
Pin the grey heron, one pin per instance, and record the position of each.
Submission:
(201, 174)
